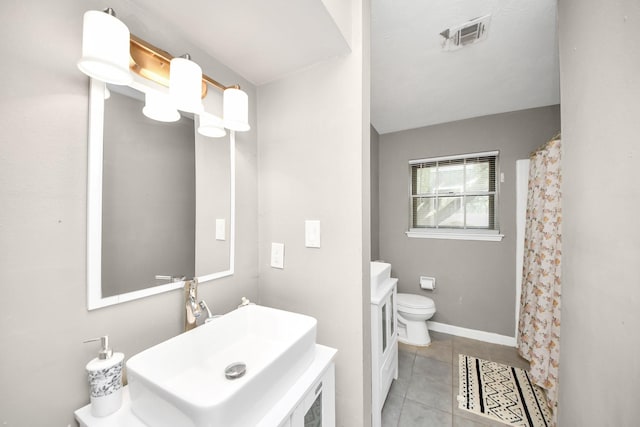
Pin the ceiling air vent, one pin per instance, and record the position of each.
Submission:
(465, 34)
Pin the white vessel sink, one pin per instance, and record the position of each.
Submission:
(182, 382)
(380, 273)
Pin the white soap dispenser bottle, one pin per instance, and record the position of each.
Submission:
(105, 379)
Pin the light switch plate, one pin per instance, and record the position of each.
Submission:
(221, 232)
(277, 255)
(312, 233)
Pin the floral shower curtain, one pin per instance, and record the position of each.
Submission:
(539, 323)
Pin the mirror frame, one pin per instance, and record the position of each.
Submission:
(94, 209)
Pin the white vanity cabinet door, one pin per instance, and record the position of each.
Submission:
(384, 346)
(318, 408)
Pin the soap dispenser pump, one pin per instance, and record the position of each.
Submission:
(105, 379)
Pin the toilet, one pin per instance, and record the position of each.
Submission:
(413, 313)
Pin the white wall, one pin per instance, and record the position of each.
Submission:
(340, 11)
(43, 166)
(313, 146)
(600, 343)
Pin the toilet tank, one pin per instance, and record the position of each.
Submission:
(380, 273)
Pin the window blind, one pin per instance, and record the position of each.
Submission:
(455, 192)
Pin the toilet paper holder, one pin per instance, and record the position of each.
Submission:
(427, 282)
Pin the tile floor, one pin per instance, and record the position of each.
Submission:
(424, 395)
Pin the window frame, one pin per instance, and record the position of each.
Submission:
(464, 233)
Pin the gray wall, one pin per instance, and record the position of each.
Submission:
(43, 166)
(600, 343)
(375, 194)
(148, 198)
(481, 295)
(314, 164)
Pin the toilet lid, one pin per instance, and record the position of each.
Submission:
(415, 301)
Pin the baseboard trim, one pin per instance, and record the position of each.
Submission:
(472, 333)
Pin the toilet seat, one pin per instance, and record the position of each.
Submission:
(411, 302)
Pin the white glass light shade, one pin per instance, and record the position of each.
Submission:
(158, 106)
(185, 85)
(235, 106)
(105, 48)
(211, 126)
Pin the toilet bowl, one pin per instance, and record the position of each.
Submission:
(413, 313)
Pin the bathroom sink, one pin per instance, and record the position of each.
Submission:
(182, 382)
(380, 273)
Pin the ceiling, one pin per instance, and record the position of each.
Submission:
(414, 83)
(260, 40)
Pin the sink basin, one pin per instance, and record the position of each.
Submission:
(182, 382)
(380, 273)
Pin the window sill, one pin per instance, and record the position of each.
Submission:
(455, 236)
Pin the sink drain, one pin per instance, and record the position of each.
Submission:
(235, 370)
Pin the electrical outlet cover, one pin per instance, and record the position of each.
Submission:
(277, 255)
(221, 229)
(312, 233)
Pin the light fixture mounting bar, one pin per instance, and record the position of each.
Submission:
(152, 63)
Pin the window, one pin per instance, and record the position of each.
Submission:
(455, 197)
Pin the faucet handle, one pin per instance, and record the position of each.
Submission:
(203, 305)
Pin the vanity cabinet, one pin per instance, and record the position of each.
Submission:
(310, 402)
(317, 408)
(384, 345)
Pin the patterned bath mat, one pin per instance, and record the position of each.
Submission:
(502, 393)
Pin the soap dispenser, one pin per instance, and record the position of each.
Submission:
(105, 379)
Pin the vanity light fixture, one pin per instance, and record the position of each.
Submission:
(235, 109)
(211, 126)
(185, 82)
(181, 75)
(158, 106)
(105, 47)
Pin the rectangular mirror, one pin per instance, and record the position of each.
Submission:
(161, 200)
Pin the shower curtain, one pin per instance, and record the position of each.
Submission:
(539, 323)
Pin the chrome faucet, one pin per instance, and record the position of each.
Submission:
(210, 316)
(192, 308)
